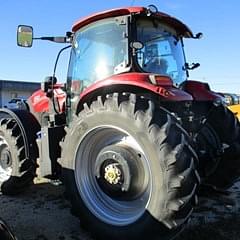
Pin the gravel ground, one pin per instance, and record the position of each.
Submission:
(42, 213)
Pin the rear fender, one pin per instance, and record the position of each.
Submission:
(134, 82)
(200, 91)
(29, 127)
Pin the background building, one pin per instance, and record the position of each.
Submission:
(16, 89)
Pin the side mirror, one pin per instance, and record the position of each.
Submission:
(198, 35)
(24, 36)
(192, 66)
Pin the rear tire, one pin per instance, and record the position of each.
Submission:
(209, 150)
(16, 170)
(152, 146)
(227, 127)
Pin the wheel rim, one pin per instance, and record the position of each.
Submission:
(104, 207)
(5, 161)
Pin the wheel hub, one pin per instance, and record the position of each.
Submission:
(119, 172)
(6, 160)
(113, 173)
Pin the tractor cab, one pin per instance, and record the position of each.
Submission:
(127, 40)
(134, 39)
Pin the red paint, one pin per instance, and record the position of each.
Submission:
(178, 25)
(40, 102)
(200, 91)
(163, 88)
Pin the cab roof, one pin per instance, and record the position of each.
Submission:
(180, 27)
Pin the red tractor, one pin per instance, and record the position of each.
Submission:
(128, 134)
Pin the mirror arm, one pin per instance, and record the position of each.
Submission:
(53, 39)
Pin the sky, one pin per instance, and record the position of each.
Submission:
(218, 51)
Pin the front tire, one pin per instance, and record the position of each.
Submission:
(129, 170)
(16, 170)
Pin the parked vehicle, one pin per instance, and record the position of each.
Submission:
(17, 103)
(233, 102)
(231, 98)
(130, 136)
(228, 99)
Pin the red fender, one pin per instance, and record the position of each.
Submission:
(200, 91)
(161, 85)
